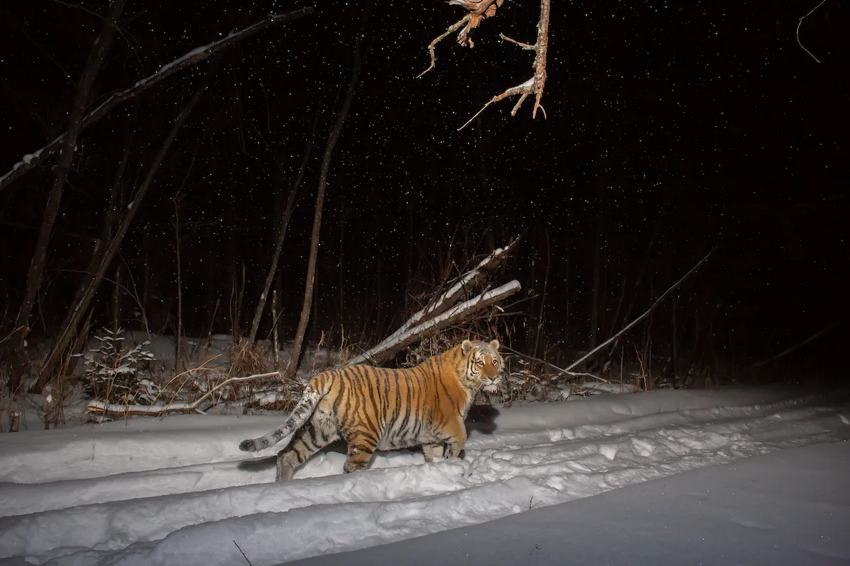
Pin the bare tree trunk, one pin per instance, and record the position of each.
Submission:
(342, 220)
(276, 343)
(115, 203)
(646, 256)
(597, 267)
(78, 309)
(675, 360)
(116, 301)
(320, 195)
(567, 301)
(63, 165)
(178, 339)
(485, 175)
(237, 317)
(146, 244)
(284, 224)
(541, 314)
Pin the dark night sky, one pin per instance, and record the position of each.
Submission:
(705, 120)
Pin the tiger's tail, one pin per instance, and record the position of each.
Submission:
(302, 411)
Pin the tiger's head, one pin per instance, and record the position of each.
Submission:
(482, 364)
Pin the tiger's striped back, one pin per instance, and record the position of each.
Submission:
(377, 408)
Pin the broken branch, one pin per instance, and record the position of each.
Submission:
(451, 296)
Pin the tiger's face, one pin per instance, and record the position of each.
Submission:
(484, 365)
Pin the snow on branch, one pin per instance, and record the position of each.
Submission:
(399, 340)
(160, 409)
(535, 84)
(193, 57)
(477, 10)
(447, 299)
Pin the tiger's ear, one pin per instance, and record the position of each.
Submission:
(494, 344)
(466, 347)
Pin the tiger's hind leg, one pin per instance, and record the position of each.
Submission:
(308, 440)
(360, 450)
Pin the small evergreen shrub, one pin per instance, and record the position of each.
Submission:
(113, 370)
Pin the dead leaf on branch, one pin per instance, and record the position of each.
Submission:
(478, 10)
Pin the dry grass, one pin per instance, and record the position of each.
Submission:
(248, 359)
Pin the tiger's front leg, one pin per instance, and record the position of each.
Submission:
(455, 450)
(432, 451)
(457, 440)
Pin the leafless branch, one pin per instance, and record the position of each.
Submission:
(82, 303)
(431, 46)
(798, 345)
(800, 23)
(526, 46)
(33, 160)
(159, 409)
(339, 124)
(644, 315)
(537, 82)
(554, 367)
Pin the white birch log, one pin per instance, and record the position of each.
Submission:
(451, 296)
(161, 409)
(399, 340)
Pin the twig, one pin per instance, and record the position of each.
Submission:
(800, 23)
(243, 554)
(553, 366)
(787, 351)
(585, 374)
(101, 407)
(526, 46)
(191, 58)
(537, 82)
(10, 334)
(645, 314)
(431, 46)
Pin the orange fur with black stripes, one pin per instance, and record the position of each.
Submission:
(383, 409)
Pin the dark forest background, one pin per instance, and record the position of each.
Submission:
(680, 126)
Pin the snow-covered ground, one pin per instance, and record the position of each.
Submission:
(178, 491)
(787, 508)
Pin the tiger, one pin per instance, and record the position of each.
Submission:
(374, 408)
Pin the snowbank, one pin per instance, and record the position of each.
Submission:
(177, 490)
